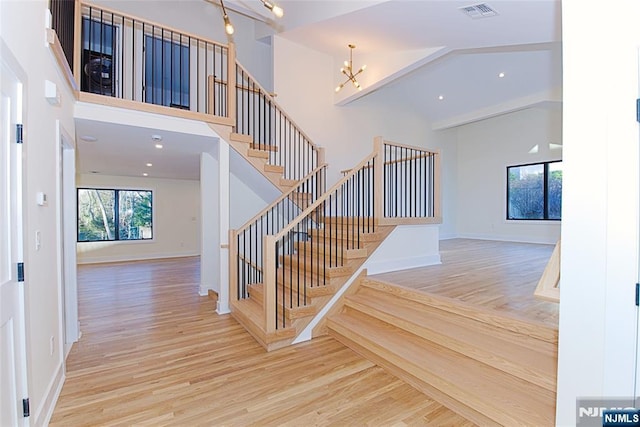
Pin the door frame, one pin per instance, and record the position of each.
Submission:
(67, 273)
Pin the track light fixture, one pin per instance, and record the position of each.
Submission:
(347, 70)
(228, 26)
(277, 10)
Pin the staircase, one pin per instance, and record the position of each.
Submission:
(306, 280)
(288, 264)
(491, 368)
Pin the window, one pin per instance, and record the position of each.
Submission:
(535, 191)
(105, 215)
(166, 74)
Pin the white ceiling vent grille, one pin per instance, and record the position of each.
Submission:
(477, 11)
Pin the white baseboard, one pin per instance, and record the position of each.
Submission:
(402, 263)
(521, 239)
(143, 257)
(44, 412)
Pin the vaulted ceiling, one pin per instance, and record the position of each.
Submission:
(430, 55)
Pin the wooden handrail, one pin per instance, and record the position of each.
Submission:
(279, 199)
(309, 210)
(406, 159)
(273, 101)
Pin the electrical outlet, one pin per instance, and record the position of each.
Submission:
(38, 240)
(51, 345)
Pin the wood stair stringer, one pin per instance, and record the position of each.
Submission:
(257, 158)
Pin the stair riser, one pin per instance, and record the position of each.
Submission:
(314, 287)
(465, 381)
(291, 313)
(318, 269)
(330, 249)
(322, 235)
(441, 337)
(414, 381)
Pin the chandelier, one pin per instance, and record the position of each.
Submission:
(228, 26)
(347, 70)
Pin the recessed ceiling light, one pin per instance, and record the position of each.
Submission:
(159, 146)
(501, 75)
(149, 164)
(156, 137)
(145, 174)
(88, 138)
(441, 97)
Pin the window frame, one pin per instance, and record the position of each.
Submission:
(545, 191)
(116, 215)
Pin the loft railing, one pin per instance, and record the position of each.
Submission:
(272, 130)
(62, 21)
(411, 182)
(133, 59)
(246, 260)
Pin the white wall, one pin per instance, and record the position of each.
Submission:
(304, 82)
(176, 220)
(485, 149)
(599, 269)
(22, 30)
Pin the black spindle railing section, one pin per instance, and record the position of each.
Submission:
(132, 59)
(258, 115)
(62, 21)
(409, 182)
(306, 251)
(274, 218)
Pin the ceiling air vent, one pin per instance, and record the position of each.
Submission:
(477, 11)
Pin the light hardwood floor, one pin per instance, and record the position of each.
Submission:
(500, 276)
(153, 352)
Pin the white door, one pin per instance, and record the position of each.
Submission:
(13, 369)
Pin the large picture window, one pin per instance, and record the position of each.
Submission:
(534, 191)
(105, 214)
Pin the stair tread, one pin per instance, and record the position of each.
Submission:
(264, 147)
(315, 266)
(315, 287)
(461, 334)
(494, 393)
(274, 168)
(294, 307)
(288, 182)
(346, 234)
(251, 152)
(509, 321)
(241, 137)
(327, 247)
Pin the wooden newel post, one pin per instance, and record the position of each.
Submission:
(437, 197)
(233, 269)
(269, 282)
(378, 197)
(231, 84)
